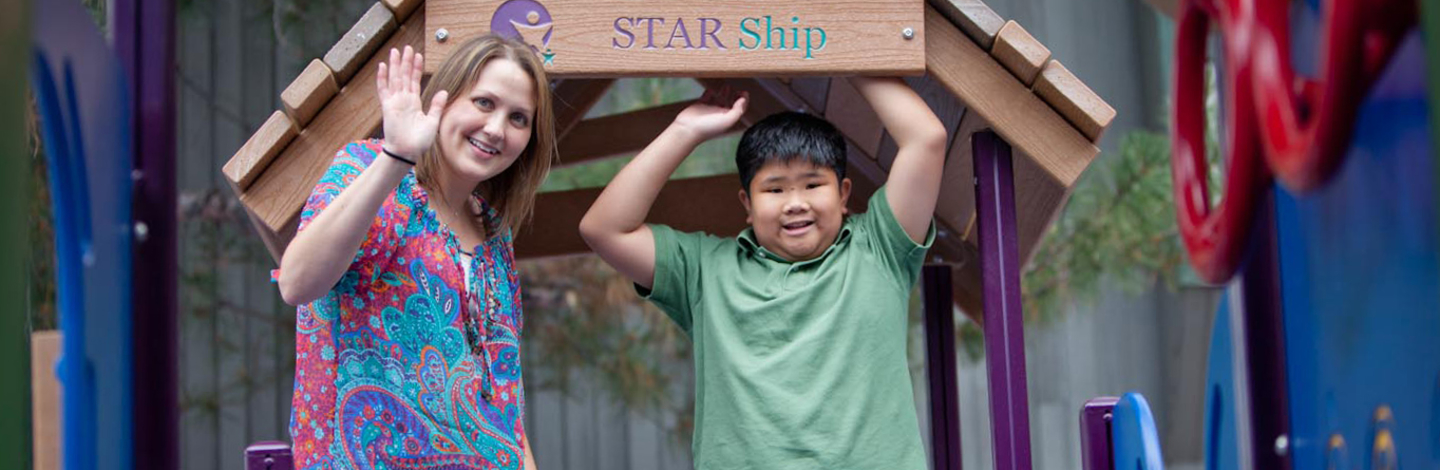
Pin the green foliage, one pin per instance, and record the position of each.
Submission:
(1119, 226)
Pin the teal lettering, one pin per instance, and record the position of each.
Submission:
(809, 40)
(795, 33)
(770, 31)
(748, 32)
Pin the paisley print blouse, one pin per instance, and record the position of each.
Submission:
(402, 365)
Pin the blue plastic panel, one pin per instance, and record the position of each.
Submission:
(85, 122)
(1361, 282)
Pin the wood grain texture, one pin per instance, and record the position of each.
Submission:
(619, 134)
(813, 90)
(358, 44)
(710, 204)
(574, 98)
(309, 92)
(402, 8)
(1018, 116)
(956, 206)
(1071, 98)
(1019, 52)
(278, 194)
(849, 112)
(256, 155)
(974, 17)
(860, 37)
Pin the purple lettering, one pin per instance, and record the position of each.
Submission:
(711, 33)
(631, 36)
(679, 32)
(650, 30)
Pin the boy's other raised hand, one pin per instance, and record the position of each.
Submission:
(409, 129)
(714, 113)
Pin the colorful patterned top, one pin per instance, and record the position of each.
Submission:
(394, 365)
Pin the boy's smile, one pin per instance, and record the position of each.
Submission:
(796, 208)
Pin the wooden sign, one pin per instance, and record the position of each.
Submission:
(617, 38)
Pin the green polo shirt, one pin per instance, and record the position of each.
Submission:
(798, 365)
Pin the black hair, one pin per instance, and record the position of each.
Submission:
(786, 137)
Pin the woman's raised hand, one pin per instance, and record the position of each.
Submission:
(409, 129)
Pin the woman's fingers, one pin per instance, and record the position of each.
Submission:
(394, 69)
(418, 70)
(381, 84)
(437, 104)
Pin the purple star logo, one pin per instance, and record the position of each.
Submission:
(526, 20)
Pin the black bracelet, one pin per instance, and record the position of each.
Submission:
(397, 157)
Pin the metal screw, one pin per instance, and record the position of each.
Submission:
(142, 232)
(1282, 445)
(136, 174)
(908, 33)
(442, 34)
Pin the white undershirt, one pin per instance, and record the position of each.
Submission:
(469, 272)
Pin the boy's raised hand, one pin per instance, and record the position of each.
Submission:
(409, 129)
(714, 113)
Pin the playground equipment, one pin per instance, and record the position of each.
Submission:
(991, 83)
(108, 146)
(1323, 357)
(1324, 354)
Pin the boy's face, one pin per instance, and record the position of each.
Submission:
(796, 208)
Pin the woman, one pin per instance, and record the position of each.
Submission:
(409, 319)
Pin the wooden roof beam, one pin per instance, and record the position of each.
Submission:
(556, 232)
(256, 154)
(1021, 118)
(1072, 99)
(973, 17)
(620, 134)
(361, 42)
(309, 92)
(277, 196)
(573, 98)
(1019, 52)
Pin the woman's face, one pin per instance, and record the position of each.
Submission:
(484, 130)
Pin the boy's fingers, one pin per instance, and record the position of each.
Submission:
(739, 107)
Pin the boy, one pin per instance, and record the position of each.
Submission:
(799, 323)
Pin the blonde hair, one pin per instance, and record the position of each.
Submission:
(512, 192)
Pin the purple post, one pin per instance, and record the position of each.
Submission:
(269, 455)
(1095, 445)
(940, 367)
(145, 40)
(1264, 334)
(1004, 319)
